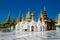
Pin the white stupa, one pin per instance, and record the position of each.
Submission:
(33, 24)
(41, 24)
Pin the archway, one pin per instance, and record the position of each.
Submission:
(32, 28)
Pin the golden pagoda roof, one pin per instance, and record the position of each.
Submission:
(19, 17)
(28, 15)
(8, 18)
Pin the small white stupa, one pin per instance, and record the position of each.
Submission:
(41, 24)
(33, 24)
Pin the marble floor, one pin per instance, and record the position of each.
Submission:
(45, 35)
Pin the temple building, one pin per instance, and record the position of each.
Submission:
(50, 24)
(8, 24)
(44, 23)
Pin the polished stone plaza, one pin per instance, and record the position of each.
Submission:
(45, 35)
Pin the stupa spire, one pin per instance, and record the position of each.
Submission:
(8, 18)
(45, 14)
(40, 16)
(32, 16)
(42, 19)
(19, 17)
(22, 18)
(44, 8)
(28, 15)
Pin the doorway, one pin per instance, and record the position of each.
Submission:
(32, 28)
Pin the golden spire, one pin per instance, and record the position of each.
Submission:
(28, 15)
(40, 17)
(32, 16)
(8, 18)
(22, 18)
(19, 17)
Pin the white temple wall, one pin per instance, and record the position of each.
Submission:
(28, 25)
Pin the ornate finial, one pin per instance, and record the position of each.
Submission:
(44, 8)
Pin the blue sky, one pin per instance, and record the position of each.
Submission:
(15, 6)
